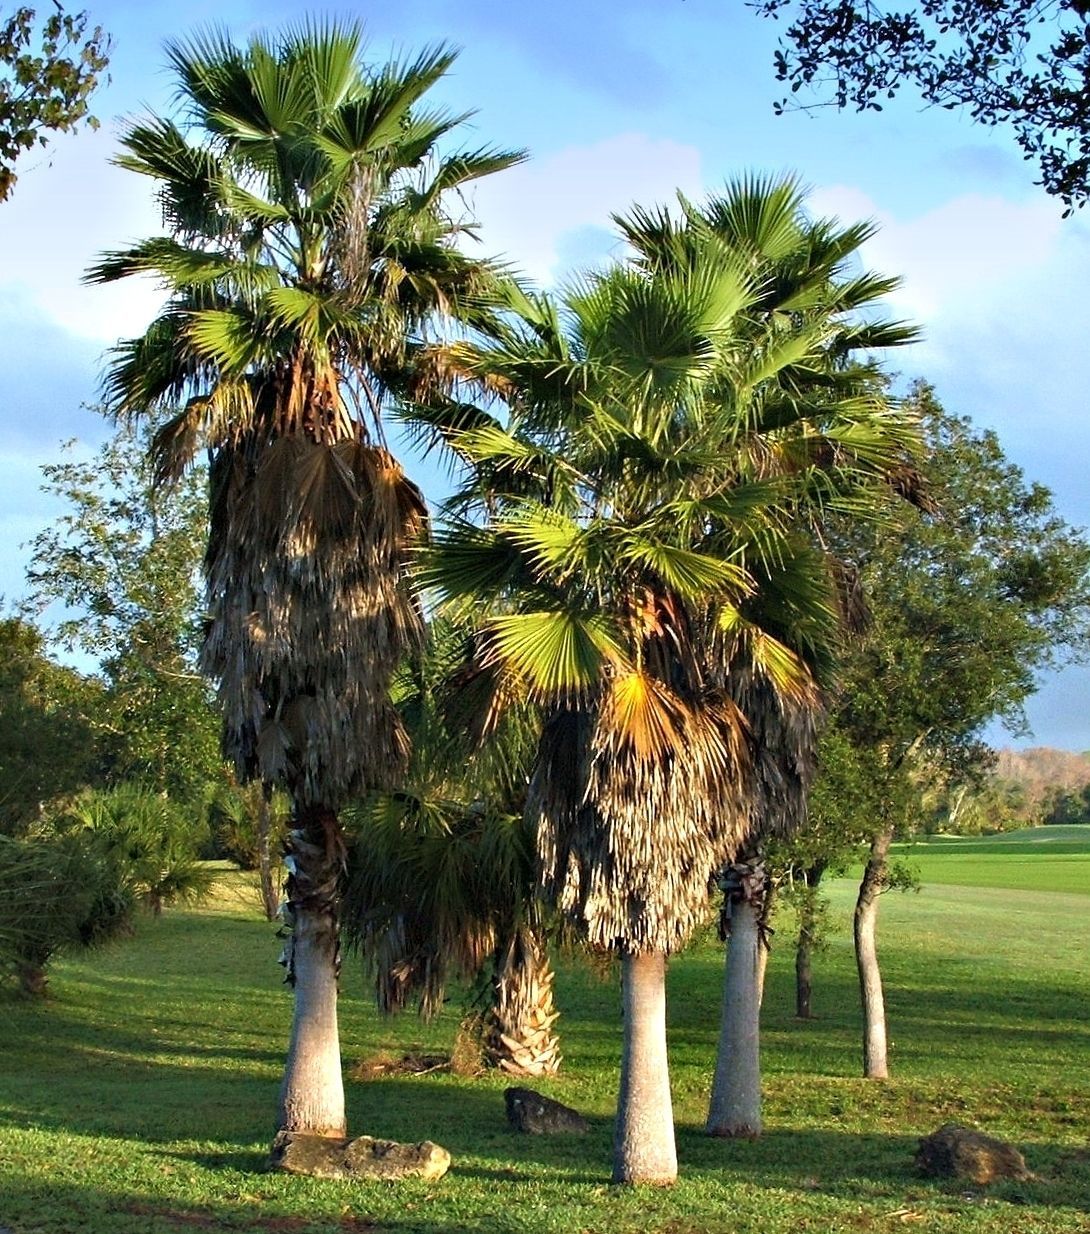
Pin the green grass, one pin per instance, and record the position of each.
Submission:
(139, 1099)
(1036, 859)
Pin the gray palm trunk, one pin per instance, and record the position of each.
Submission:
(735, 1107)
(643, 1140)
(875, 1055)
(312, 1091)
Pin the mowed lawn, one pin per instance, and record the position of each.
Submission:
(1036, 859)
(140, 1098)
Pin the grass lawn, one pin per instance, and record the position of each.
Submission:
(139, 1099)
(1037, 859)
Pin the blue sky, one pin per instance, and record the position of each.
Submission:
(616, 103)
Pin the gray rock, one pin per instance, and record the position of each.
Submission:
(960, 1152)
(364, 1157)
(531, 1112)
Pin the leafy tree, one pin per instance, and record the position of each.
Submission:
(312, 229)
(637, 544)
(1020, 63)
(47, 737)
(123, 560)
(968, 604)
(45, 92)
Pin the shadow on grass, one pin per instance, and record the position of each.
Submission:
(479, 1199)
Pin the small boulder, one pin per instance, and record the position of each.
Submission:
(537, 1115)
(321, 1157)
(960, 1152)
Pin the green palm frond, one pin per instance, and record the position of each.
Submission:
(560, 655)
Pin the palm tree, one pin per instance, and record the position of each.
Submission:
(803, 268)
(640, 498)
(442, 872)
(310, 243)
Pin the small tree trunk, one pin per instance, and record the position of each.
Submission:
(270, 899)
(806, 941)
(875, 1062)
(519, 1036)
(736, 1090)
(643, 1139)
(312, 1093)
(764, 935)
(33, 982)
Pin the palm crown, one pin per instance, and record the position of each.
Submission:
(310, 244)
(671, 427)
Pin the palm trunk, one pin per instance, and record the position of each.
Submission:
(643, 1139)
(312, 1093)
(519, 1036)
(875, 1064)
(735, 1107)
(806, 941)
(736, 1090)
(270, 898)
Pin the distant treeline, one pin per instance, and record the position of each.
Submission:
(1043, 785)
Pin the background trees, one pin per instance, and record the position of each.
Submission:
(122, 565)
(1020, 63)
(45, 91)
(47, 726)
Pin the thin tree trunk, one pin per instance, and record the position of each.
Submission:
(519, 1036)
(875, 1062)
(764, 936)
(643, 1139)
(270, 898)
(806, 941)
(736, 1090)
(312, 1093)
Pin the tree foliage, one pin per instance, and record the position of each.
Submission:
(47, 732)
(1018, 63)
(78, 878)
(123, 560)
(46, 90)
(967, 604)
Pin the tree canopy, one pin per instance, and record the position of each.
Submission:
(45, 91)
(1024, 64)
(123, 559)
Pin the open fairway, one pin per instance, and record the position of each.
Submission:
(140, 1098)
(1035, 859)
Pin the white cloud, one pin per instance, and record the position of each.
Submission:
(63, 213)
(525, 213)
(974, 262)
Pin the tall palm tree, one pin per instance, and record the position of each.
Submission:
(804, 269)
(310, 242)
(640, 499)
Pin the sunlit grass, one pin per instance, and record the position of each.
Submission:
(140, 1098)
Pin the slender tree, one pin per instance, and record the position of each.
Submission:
(967, 603)
(310, 241)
